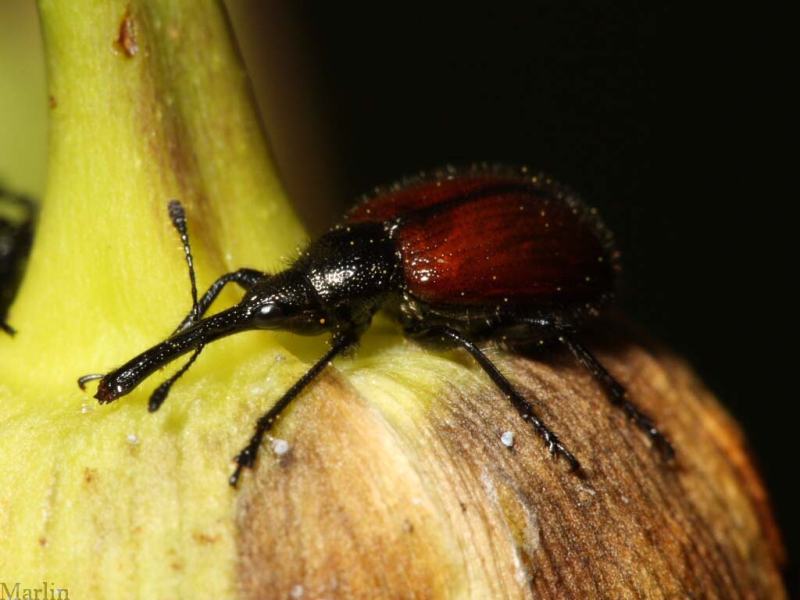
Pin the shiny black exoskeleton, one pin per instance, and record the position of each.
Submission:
(17, 216)
(455, 257)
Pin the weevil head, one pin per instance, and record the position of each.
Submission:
(112, 387)
(284, 301)
(126, 378)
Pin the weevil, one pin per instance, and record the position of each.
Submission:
(457, 256)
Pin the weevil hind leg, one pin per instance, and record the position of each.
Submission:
(447, 334)
(549, 332)
(617, 394)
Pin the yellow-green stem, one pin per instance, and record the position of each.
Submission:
(149, 101)
(396, 483)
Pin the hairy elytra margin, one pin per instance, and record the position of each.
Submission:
(456, 257)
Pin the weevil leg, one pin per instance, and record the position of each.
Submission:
(247, 457)
(178, 217)
(246, 278)
(160, 394)
(524, 408)
(617, 393)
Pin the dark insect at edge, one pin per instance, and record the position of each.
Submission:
(456, 257)
(16, 237)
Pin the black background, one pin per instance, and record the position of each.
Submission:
(661, 116)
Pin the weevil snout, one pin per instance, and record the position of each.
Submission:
(108, 391)
(126, 378)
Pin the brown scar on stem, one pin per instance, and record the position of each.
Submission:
(126, 39)
(205, 538)
(89, 474)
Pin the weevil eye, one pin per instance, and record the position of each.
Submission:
(269, 311)
(269, 314)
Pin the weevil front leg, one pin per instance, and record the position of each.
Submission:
(246, 278)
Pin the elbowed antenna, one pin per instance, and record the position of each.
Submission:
(126, 378)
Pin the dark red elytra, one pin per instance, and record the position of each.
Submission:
(496, 236)
(456, 257)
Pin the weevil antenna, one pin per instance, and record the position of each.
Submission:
(178, 217)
